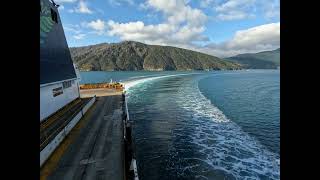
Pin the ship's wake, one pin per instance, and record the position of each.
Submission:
(219, 142)
(129, 84)
(226, 146)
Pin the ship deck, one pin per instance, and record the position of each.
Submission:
(94, 149)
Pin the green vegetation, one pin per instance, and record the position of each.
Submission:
(130, 55)
(261, 60)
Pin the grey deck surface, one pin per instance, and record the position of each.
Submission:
(97, 152)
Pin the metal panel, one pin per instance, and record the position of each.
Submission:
(55, 60)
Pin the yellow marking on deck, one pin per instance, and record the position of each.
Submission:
(52, 162)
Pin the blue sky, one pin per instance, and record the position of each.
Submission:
(217, 27)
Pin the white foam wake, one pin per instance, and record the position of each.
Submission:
(130, 84)
(232, 150)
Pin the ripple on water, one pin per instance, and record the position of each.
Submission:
(199, 143)
(229, 148)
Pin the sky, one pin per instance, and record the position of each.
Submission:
(221, 28)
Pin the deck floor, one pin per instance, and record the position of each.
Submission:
(98, 150)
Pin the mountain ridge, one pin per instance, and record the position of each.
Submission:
(131, 55)
(260, 60)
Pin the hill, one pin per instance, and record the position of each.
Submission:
(131, 55)
(261, 60)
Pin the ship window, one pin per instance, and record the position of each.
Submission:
(54, 15)
(66, 84)
(57, 91)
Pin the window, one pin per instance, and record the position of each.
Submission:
(57, 91)
(54, 15)
(66, 84)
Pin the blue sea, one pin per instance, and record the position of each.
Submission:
(203, 125)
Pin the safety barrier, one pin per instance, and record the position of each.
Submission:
(49, 149)
(129, 142)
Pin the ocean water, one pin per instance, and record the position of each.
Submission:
(204, 125)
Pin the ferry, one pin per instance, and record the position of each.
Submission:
(60, 104)
(59, 77)
(62, 108)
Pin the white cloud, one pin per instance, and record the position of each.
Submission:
(81, 8)
(234, 15)
(227, 10)
(267, 8)
(234, 4)
(79, 36)
(97, 25)
(138, 31)
(260, 38)
(64, 1)
(235, 9)
(183, 25)
(178, 11)
(264, 34)
(120, 2)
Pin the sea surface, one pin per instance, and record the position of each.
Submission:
(203, 125)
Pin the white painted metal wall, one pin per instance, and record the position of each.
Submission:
(87, 106)
(50, 104)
